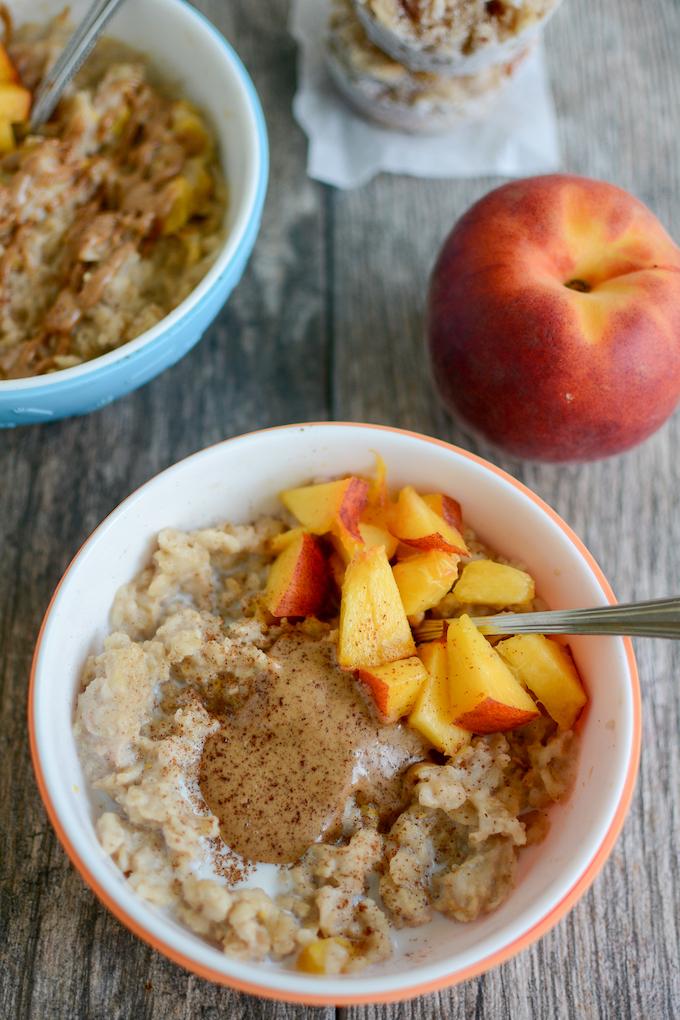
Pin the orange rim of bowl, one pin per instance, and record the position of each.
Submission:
(557, 912)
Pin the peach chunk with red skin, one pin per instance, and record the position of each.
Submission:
(347, 546)
(447, 507)
(394, 686)
(319, 507)
(416, 524)
(298, 579)
(484, 694)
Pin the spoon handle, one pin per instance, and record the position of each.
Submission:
(71, 59)
(657, 618)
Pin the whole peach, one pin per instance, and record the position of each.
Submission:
(554, 319)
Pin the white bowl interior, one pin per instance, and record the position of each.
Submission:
(237, 480)
(190, 55)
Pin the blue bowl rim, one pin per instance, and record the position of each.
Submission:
(239, 240)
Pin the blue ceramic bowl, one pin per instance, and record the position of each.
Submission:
(192, 54)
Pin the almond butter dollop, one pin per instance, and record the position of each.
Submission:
(280, 771)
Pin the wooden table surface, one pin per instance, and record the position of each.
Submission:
(327, 323)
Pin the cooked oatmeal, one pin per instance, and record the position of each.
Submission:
(223, 737)
(109, 216)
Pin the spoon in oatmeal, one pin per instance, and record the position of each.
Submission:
(658, 618)
(71, 59)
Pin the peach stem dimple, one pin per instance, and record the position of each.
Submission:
(579, 285)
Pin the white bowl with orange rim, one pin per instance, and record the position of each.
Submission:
(238, 479)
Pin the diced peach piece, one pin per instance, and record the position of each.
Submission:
(184, 196)
(7, 139)
(352, 505)
(431, 714)
(176, 201)
(373, 625)
(378, 493)
(424, 579)
(188, 128)
(486, 583)
(484, 695)
(201, 181)
(325, 955)
(345, 545)
(412, 521)
(395, 685)
(279, 542)
(446, 507)
(379, 504)
(298, 579)
(548, 670)
(15, 102)
(373, 535)
(429, 654)
(379, 517)
(8, 71)
(318, 507)
(370, 535)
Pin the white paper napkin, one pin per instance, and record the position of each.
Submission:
(518, 136)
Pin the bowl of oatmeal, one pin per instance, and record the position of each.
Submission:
(240, 735)
(126, 221)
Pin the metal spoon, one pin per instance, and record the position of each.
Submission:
(659, 618)
(71, 60)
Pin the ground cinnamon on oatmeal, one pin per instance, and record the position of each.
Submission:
(279, 771)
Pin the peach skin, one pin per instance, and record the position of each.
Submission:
(415, 523)
(319, 507)
(298, 579)
(554, 319)
(484, 695)
(447, 507)
(394, 686)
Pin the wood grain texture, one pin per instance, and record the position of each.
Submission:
(327, 322)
